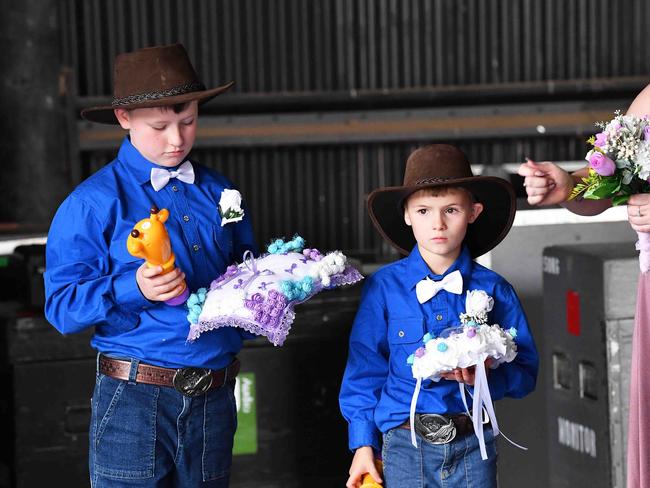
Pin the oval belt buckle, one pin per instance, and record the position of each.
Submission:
(192, 382)
(436, 429)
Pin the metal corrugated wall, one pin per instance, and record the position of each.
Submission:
(272, 46)
(321, 47)
(320, 191)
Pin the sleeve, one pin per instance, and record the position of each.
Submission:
(518, 378)
(80, 290)
(366, 370)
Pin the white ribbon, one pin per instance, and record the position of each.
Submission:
(427, 288)
(414, 401)
(482, 403)
(160, 177)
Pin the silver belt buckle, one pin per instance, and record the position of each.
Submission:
(192, 382)
(435, 428)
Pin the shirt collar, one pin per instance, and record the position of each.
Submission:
(417, 269)
(139, 166)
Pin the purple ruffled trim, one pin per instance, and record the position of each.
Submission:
(349, 276)
(276, 334)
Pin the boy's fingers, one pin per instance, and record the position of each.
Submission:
(148, 272)
(172, 294)
(164, 280)
(375, 475)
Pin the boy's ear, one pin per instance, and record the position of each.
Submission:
(122, 117)
(407, 217)
(477, 208)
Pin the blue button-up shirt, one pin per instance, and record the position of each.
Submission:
(389, 326)
(90, 275)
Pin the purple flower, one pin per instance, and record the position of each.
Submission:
(646, 133)
(601, 139)
(601, 164)
(419, 352)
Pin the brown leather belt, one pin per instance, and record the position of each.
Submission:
(462, 422)
(188, 381)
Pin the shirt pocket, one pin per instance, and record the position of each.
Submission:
(404, 337)
(406, 330)
(222, 237)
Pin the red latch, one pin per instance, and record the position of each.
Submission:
(573, 312)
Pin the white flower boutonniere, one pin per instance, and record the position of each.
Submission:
(230, 207)
(477, 305)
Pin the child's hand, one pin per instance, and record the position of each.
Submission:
(157, 287)
(362, 463)
(465, 375)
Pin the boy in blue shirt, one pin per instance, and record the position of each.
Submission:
(446, 217)
(163, 411)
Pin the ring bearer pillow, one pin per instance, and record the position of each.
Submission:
(259, 294)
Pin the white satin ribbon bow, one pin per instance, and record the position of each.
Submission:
(160, 177)
(427, 288)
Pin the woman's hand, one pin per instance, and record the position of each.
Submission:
(362, 463)
(546, 183)
(638, 212)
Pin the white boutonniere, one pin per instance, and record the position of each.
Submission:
(477, 305)
(230, 207)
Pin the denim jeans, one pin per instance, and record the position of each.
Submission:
(148, 436)
(454, 465)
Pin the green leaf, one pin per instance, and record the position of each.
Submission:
(620, 200)
(607, 188)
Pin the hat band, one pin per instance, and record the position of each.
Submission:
(432, 180)
(157, 95)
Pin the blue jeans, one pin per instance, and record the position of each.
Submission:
(148, 436)
(454, 465)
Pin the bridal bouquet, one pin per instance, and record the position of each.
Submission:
(619, 163)
(619, 166)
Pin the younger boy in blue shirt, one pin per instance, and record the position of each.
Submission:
(446, 217)
(163, 411)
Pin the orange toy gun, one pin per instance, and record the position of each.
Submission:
(149, 240)
(368, 481)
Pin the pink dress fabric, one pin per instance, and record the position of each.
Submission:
(638, 444)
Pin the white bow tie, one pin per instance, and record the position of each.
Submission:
(160, 177)
(426, 289)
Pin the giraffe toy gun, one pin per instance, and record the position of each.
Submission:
(149, 240)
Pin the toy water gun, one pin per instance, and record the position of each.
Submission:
(149, 240)
(368, 481)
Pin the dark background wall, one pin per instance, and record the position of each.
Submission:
(349, 88)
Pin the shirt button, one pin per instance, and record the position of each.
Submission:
(401, 333)
(186, 218)
(438, 317)
(196, 247)
(175, 188)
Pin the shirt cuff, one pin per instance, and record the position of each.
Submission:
(127, 293)
(363, 434)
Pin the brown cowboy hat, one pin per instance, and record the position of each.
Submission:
(444, 165)
(152, 77)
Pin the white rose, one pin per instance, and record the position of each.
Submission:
(230, 199)
(230, 206)
(478, 301)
